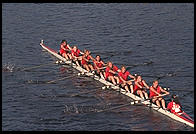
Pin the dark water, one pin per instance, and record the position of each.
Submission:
(156, 40)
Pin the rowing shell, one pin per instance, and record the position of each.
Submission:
(134, 97)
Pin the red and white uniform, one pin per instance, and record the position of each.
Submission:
(99, 64)
(62, 50)
(107, 73)
(158, 89)
(84, 61)
(77, 53)
(174, 108)
(137, 87)
(124, 76)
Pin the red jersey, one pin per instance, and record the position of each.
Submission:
(98, 64)
(174, 108)
(136, 87)
(123, 75)
(84, 61)
(158, 89)
(62, 50)
(107, 73)
(77, 53)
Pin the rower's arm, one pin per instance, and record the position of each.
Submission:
(152, 89)
(63, 47)
(145, 84)
(131, 76)
(73, 55)
(105, 64)
(122, 79)
(136, 83)
(81, 52)
(111, 71)
(85, 58)
(162, 90)
(68, 46)
(91, 57)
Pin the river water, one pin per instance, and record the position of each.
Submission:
(154, 40)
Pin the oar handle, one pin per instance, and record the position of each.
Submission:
(161, 95)
(101, 68)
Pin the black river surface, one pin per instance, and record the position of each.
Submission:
(154, 40)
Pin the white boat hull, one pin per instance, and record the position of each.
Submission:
(147, 103)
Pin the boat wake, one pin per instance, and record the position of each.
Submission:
(76, 109)
(8, 67)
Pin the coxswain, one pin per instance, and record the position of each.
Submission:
(64, 50)
(75, 55)
(156, 90)
(140, 87)
(110, 71)
(122, 79)
(85, 61)
(98, 65)
(174, 106)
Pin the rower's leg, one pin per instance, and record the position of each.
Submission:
(162, 102)
(145, 94)
(91, 67)
(101, 74)
(139, 92)
(104, 74)
(131, 87)
(111, 78)
(158, 103)
(69, 56)
(127, 89)
(63, 55)
(98, 71)
(66, 57)
(77, 63)
(86, 67)
(117, 79)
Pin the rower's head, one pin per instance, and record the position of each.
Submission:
(64, 42)
(87, 52)
(110, 64)
(74, 48)
(155, 83)
(139, 78)
(123, 69)
(98, 58)
(175, 99)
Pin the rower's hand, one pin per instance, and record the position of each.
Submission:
(167, 93)
(159, 94)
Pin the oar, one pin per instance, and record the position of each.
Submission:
(111, 86)
(130, 103)
(52, 81)
(84, 73)
(29, 68)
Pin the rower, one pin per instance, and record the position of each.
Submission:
(156, 90)
(85, 61)
(139, 87)
(64, 50)
(110, 71)
(75, 55)
(174, 106)
(98, 65)
(123, 79)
